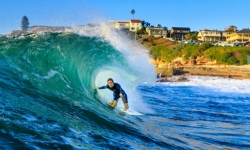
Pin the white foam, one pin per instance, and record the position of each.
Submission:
(216, 84)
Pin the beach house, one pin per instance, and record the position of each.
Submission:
(157, 31)
(179, 32)
(209, 35)
(239, 36)
(131, 25)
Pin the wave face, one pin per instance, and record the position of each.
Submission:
(47, 83)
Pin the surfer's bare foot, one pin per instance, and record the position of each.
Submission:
(125, 106)
(110, 103)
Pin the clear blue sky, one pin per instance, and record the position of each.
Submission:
(196, 14)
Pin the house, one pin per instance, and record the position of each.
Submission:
(131, 25)
(239, 36)
(209, 35)
(179, 32)
(157, 31)
(119, 24)
(135, 25)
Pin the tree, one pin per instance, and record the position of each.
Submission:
(166, 28)
(142, 31)
(191, 35)
(231, 29)
(25, 23)
(143, 23)
(147, 24)
(159, 25)
(133, 12)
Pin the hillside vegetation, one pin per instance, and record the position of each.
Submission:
(165, 50)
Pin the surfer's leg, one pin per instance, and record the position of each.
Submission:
(125, 100)
(114, 103)
(115, 99)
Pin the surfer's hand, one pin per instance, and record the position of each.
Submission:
(95, 91)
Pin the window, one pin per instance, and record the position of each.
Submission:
(132, 28)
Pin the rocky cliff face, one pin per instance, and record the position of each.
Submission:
(180, 62)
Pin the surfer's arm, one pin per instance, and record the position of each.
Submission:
(103, 87)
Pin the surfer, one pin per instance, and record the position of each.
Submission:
(118, 93)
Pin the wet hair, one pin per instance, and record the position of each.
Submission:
(110, 79)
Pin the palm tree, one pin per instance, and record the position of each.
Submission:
(133, 12)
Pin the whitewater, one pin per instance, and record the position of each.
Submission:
(47, 99)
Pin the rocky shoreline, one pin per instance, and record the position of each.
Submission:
(178, 74)
(173, 79)
(201, 67)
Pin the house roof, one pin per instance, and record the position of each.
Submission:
(180, 28)
(122, 22)
(244, 31)
(157, 28)
(211, 30)
(136, 21)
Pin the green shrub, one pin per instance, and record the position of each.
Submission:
(224, 55)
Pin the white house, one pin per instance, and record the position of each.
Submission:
(209, 35)
(131, 25)
(157, 31)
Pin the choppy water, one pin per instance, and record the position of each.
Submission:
(47, 100)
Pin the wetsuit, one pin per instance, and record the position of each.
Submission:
(116, 91)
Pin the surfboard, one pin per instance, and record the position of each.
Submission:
(130, 112)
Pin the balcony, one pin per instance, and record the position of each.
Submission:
(238, 38)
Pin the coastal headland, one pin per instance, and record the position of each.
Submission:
(172, 58)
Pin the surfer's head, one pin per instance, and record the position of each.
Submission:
(110, 82)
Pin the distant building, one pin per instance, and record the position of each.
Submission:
(131, 25)
(41, 29)
(15, 33)
(239, 36)
(135, 25)
(207, 35)
(157, 31)
(179, 32)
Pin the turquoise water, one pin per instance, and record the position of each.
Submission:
(47, 102)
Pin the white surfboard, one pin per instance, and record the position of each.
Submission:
(130, 112)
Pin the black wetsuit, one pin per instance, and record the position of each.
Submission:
(116, 91)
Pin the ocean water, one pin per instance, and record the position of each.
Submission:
(47, 100)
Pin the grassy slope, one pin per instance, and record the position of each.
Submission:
(167, 51)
